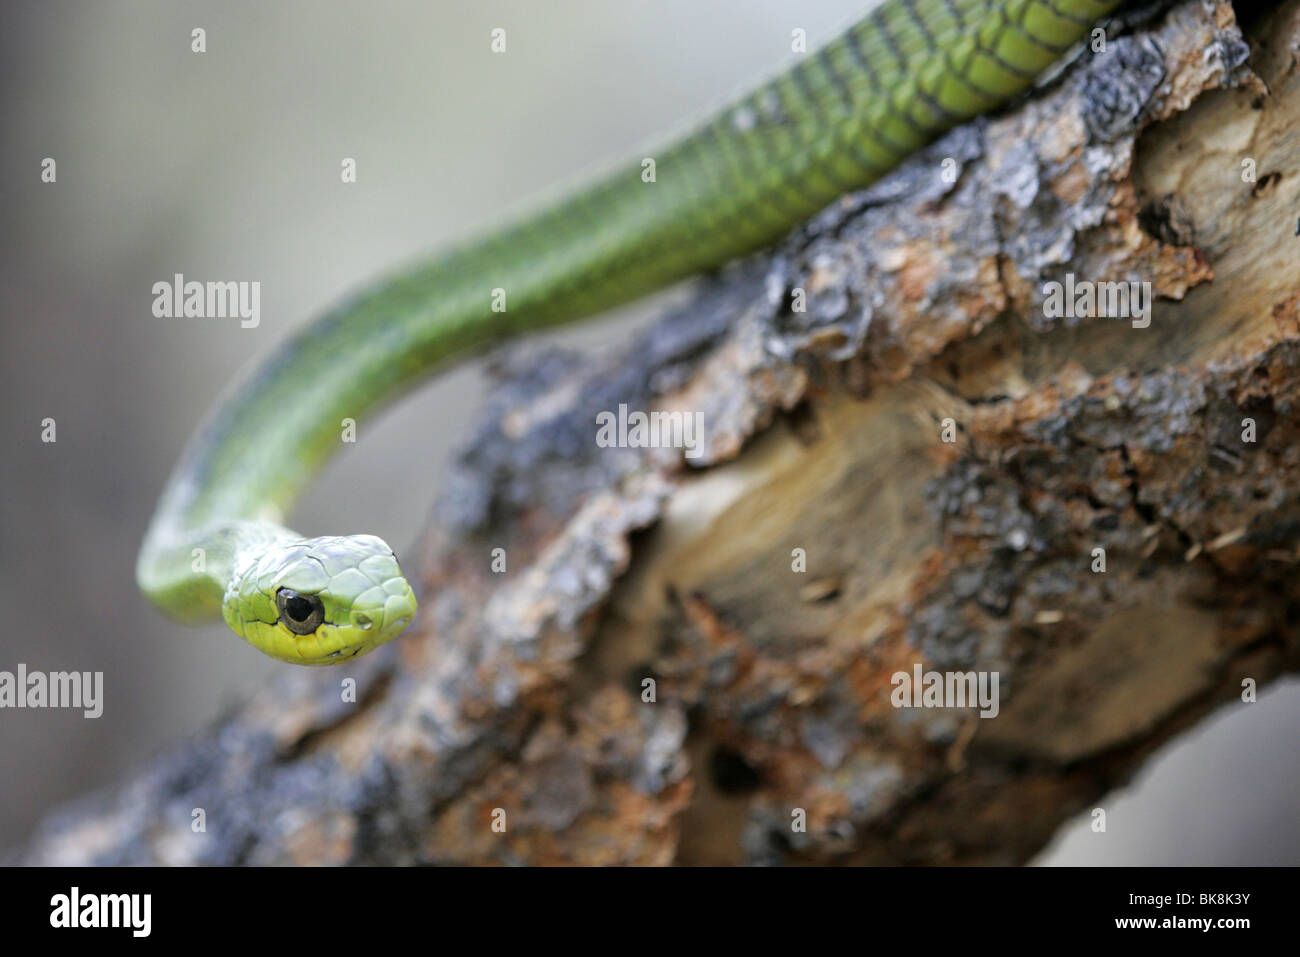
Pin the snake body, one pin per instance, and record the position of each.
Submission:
(841, 118)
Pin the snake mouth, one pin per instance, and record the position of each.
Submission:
(371, 629)
(355, 647)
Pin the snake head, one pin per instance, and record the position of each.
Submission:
(319, 601)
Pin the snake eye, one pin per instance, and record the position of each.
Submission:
(300, 613)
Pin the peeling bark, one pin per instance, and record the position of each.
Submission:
(521, 694)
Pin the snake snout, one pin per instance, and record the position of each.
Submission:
(382, 619)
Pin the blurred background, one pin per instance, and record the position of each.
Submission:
(225, 165)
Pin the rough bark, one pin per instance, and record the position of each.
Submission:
(523, 691)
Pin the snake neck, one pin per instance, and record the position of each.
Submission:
(189, 571)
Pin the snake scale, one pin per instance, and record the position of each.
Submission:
(840, 119)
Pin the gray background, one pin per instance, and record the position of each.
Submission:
(225, 165)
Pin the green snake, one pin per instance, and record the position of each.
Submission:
(840, 119)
